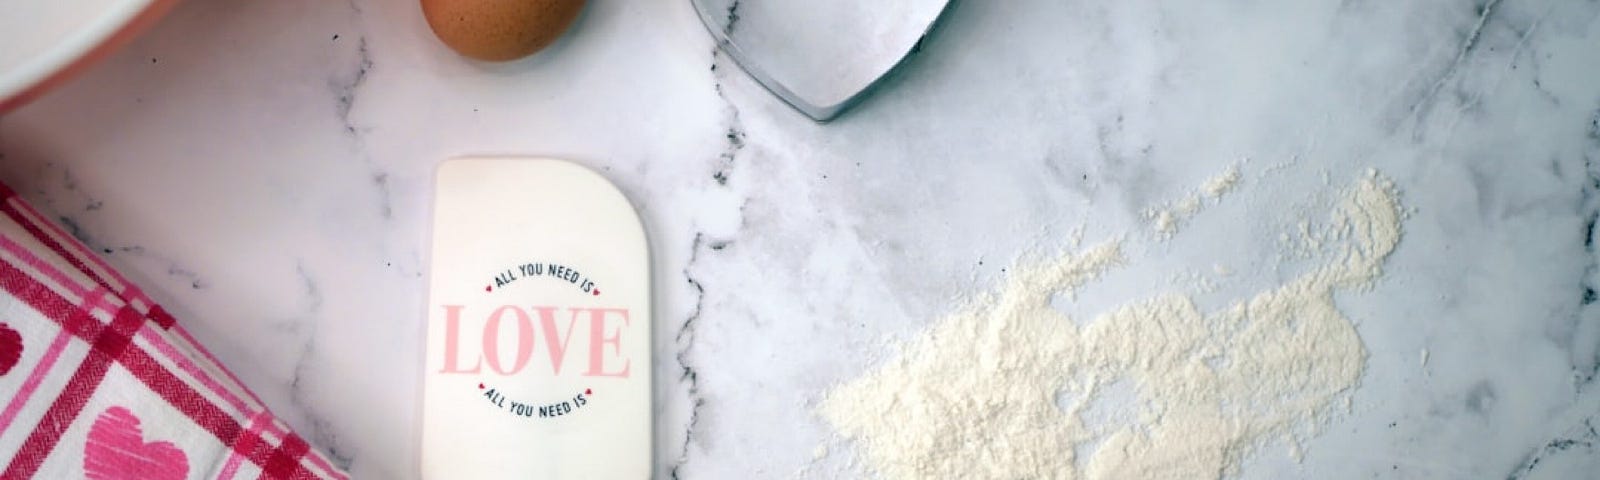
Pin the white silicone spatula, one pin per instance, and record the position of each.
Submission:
(538, 362)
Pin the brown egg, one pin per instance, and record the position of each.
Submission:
(499, 30)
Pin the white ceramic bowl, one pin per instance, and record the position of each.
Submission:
(43, 42)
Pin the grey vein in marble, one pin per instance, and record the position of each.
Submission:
(322, 431)
(1467, 45)
(684, 338)
(345, 88)
(685, 341)
(1568, 454)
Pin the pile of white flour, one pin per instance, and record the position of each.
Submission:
(1004, 388)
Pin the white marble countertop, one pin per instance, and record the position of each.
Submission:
(264, 169)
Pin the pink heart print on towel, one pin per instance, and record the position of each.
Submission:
(117, 451)
(10, 348)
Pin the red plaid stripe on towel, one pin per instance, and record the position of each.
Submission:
(98, 382)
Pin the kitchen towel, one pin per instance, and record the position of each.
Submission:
(99, 382)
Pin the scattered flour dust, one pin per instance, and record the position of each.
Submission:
(1166, 218)
(1006, 387)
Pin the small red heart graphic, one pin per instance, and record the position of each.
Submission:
(116, 450)
(596, 292)
(487, 288)
(10, 348)
(588, 392)
(480, 386)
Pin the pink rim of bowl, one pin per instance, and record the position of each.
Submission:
(73, 63)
